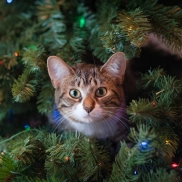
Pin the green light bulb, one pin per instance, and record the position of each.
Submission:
(82, 22)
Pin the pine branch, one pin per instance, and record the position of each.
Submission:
(33, 59)
(123, 167)
(142, 111)
(97, 47)
(9, 62)
(95, 161)
(28, 151)
(8, 167)
(159, 175)
(144, 133)
(166, 144)
(162, 87)
(77, 43)
(24, 88)
(113, 38)
(74, 157)
(45, 99)
(13, 28)
(4, 111)
(164, 21)
(135, 25)
(151, 77)
(169, 87)
(52, 23)
(61, 157)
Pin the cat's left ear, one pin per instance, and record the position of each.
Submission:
(115, 65)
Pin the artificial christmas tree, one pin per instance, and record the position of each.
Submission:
(89, 31)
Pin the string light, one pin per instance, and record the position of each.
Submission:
(82, 22)
(2, 153)
(143, 146)
(130, 28)
(27, 127)
(154, 103)
(174, 165)
(9, 1)
(16, 54)
(67, 159)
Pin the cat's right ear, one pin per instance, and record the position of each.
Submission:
(58, 70)
(116, 66)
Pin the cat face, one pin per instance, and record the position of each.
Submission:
(88, 94)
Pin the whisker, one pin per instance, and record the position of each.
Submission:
(119, 119)
(60, 121)
(113, 107)
(123, 123)
(109, 127)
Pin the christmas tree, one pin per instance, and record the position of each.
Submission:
(83, 31)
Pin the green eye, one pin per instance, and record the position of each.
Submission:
(100, 92)
(75, 93)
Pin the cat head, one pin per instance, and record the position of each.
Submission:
(85, 93)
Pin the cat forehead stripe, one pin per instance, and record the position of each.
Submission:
(86, 76)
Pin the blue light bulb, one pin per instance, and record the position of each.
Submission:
(9, 1)
(144, 143)
(135, 172)
(144, 146)
(27, 127)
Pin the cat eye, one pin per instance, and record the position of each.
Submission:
(75, 93)
(100, 92)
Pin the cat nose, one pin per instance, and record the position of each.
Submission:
(88, 109)
(88, 104)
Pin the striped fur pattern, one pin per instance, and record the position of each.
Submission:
(90, 99)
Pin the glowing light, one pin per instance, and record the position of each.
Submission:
(174, 165)
(67, 159)
(16, 54)
(2, 153)
(130, 28)
(82, 22)
(9, 1)
(143, 146)
(27, 127)
(154, 103)
(144, 143)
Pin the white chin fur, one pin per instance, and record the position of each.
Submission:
(96, 129)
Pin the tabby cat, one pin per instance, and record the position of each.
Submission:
(91, 98)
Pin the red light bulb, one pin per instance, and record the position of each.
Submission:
(174, 165)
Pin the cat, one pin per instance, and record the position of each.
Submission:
(91, 98)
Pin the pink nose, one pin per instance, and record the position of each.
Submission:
(88, 109)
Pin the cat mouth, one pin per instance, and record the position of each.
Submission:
(85, 119)
(92, 119)
(88, 118)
